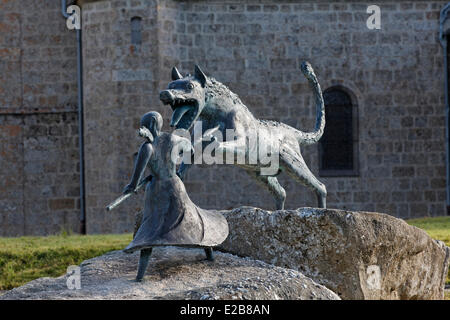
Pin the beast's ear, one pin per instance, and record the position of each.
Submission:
(176, 74)
(200, 76)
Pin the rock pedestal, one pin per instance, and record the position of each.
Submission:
(176, 273)
(358, 255)
(308, 253)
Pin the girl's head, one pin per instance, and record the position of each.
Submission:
(152, 121)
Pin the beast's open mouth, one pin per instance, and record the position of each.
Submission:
(185, 112)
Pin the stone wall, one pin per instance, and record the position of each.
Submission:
(39, 175)
(39, 172)
(38, 58)
(394, 75)
(121, 84)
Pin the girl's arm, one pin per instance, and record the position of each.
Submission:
(142, 159)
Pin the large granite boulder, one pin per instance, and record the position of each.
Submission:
(358, 255)
(176, 273)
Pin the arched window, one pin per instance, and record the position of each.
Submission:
(136, 38)
(338, 147)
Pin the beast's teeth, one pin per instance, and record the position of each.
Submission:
(177, 114)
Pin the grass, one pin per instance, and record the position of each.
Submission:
(26, 258)
(437, 228)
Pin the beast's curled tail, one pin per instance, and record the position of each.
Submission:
(305, 138)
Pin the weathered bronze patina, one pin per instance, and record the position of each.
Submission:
(170, 218)
(198, 97)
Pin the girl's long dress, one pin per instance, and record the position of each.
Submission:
(170, 217)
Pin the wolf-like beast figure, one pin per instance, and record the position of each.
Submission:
(198, 97)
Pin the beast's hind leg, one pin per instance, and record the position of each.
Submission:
(274, 187)
(295, 166)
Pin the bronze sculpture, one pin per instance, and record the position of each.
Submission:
(203, 98)
(170, 218)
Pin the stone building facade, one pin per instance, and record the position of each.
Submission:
(38, 120)
(394, 76)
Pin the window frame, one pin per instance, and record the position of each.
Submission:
(354, 172)
(136, 31)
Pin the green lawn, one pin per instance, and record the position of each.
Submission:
(438, 227)
(26, 258)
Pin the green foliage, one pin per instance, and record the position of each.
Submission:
(438, 227)
(26, 258)
(65, 232)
